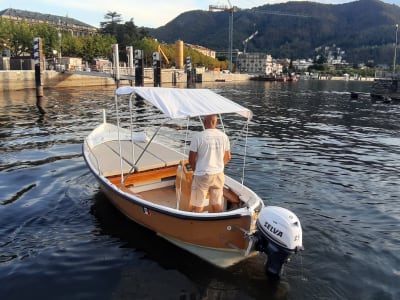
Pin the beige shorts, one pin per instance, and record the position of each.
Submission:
(207, 184)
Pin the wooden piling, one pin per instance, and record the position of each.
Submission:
(115, 51)
(156, 69)
(39, 68)
(139, 68)
(189, 72)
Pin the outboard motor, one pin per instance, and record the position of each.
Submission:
(278, 235)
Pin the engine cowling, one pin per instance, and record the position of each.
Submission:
(279, 235)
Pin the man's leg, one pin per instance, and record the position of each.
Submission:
(198, 194)
(217, 192)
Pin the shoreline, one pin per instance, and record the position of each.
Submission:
(20, 80)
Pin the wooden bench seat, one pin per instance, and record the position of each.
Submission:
(144, 176)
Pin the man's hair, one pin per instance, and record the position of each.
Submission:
(210, 119)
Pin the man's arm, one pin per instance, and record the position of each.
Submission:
(227, 156)
(192, 159)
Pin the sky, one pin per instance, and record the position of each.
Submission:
(147, 13)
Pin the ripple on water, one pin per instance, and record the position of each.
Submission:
(331, 160)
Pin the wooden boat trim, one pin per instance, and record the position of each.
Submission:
(144, 176)
(131, 197)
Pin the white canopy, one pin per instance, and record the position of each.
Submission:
(182, 103)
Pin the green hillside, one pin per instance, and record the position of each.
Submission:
(364, 29)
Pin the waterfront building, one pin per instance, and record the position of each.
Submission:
(302, 65)
(203, 50)
(257, 63)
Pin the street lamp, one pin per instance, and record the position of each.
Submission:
(395, 50)
(59, 42)
(54, 59)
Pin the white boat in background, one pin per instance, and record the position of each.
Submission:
(149, 180)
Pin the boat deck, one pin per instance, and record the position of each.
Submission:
(108, 159)
(165, 196)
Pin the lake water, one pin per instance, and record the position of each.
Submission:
(333, 160)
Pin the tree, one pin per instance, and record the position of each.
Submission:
(15, 37)
(148, 45)
(110, 26)
(127, 34)
(6, 34)
(95, 46)
(49, 36)
(18, 38)
(71, 46)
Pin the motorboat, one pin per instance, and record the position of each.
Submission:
(142, 167)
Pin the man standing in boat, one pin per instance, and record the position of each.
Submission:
(208, 155)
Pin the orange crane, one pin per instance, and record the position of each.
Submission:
(164, 56)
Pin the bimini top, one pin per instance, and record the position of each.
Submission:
(179, 103)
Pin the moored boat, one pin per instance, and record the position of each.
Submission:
(263, 77)
(149, 180)
(385, 89)
(272, 77)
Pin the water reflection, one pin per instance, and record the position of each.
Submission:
(331, 159)
(243, 281)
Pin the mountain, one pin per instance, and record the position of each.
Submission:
(364, 29)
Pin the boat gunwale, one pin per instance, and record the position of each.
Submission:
(185, 215)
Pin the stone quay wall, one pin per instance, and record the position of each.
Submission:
(20, 80)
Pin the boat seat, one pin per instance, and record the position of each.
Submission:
(155, 156)
(232, 200)
(131, 154)
(110, 166)
(230, 196)
(167, 155)
(184, 177)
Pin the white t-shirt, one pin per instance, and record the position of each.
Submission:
(210, 145)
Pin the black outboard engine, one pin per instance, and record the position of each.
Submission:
(278, 235)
